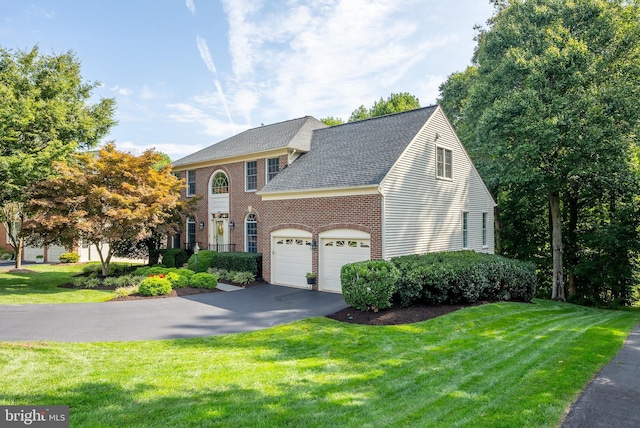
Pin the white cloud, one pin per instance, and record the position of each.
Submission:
(317, 56)
(147, 94)
(191, 6)
(120, 91)
(203, 48)
(208, 123)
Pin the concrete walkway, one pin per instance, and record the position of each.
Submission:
(612, 398)
(178, 317)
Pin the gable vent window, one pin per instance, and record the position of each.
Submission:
(251, 176)
(191, 183)
(444, 163)
(273, 168)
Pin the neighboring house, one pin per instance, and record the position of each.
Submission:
(51, 253)
(311, 198)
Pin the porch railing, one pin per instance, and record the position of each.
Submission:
(222, 248)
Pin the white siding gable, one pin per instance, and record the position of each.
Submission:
(423, 213)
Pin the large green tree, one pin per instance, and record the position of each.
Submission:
(105, 200)
(45, 115)
(549, 113)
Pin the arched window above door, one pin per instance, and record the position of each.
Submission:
(219, 183)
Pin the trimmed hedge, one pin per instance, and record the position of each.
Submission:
(239, 262)
(369, 284)
(463, 276)
(175, 257)
(205, 260)
(204, 280)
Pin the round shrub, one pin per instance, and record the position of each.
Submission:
(177, 280)
(204, 280)
(69, 258)
(175, 257)
(154, 286)
(369, 285)
(205, 261)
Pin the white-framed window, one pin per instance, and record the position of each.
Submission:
(191, 183)
(251, 176)
(484, 229)
(219, 184)
(273, 168)
(465, 229)
(251, 233)
(191, 232)
(444, 163)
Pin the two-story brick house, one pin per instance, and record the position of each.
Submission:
(311, 198)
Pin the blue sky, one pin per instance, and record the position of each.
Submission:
(188, 73)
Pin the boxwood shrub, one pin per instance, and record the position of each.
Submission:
(239, 262)
(204, 280)
(463, 276)
(175, 257)
(205, 260)
(369, 285)
(154, 286)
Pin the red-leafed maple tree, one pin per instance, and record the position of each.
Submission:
(104, 200)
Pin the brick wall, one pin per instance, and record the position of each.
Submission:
(314, 215)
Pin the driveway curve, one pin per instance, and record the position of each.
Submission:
(199, 315)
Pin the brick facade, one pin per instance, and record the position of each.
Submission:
(314, 215)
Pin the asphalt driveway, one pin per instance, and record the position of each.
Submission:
(170, 318)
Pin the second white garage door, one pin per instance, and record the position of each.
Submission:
(291, 257)
(350, 246)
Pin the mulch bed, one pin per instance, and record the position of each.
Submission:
(396, 315)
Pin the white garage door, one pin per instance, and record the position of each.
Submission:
(54, 252)
(336, 252)
(30, 253)
(291, 259)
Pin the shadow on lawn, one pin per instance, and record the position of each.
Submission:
(111, 404)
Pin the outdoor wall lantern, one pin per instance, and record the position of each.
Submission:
(314, 244)
(201, 225)
(231, 225)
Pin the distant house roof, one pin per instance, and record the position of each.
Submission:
(293, 134)
(353, 154)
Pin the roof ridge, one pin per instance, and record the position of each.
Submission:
(384, 115)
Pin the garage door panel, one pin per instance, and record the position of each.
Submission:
(292, 260)
(335, 253)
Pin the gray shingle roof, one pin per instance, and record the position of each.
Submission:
(354, 154)
(294, 134)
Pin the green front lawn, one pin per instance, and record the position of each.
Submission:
(495, 365)
(42, 286)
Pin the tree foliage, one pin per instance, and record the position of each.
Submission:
(332, 121)
(549, 114)
(395, 103)
(45, 115)
(104, 200)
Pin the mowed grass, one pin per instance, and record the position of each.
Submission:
(495, 365)
(42, 286)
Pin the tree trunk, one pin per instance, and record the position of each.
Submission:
(572, 241)
(556, 242)
(497, 223)
(18, 252)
